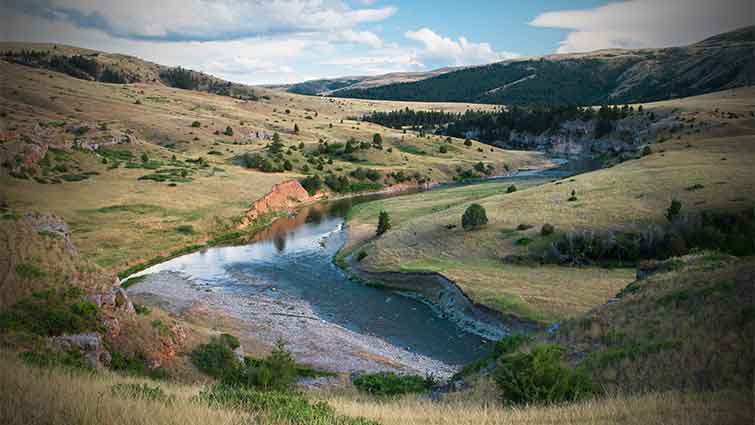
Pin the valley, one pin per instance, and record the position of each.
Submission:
(178, 248)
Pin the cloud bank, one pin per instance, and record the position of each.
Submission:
(646, 23)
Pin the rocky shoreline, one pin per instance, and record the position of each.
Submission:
(311, 339)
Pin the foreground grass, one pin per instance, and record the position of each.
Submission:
(57, 397)
(656, 408)
(60, 397)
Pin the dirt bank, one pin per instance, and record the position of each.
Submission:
(447, 298)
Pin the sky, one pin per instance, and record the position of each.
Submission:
(286, 41)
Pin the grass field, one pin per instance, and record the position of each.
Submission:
(120, 221)
(706, 170)
(57, 397)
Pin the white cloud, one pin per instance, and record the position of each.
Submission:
(457, 52)
(647, 23)
(203, 20)
(360, 37)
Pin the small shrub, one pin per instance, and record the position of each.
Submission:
(228, 131)
(142, 309)
(673, 210)
(647, 151)
(185, 229)
(523, 226)
(474, 217)
(573, 196)
(29, 271)
(523, 241)
(547, 229)
(384, 223)
(443, 149)
(214, 358)
(540, 376)
(511, 189)
(361, 255)
(196, 124)
(391, 384)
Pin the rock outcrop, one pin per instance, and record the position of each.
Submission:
(282, 197)
(89, 344)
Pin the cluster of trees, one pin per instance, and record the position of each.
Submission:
(78, 66)
(490, 126)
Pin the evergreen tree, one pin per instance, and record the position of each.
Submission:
(384, 223)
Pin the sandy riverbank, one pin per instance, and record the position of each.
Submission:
(268, 316)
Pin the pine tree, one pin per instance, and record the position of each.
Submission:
(384, 223)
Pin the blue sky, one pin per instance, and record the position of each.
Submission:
(503, 24)
(283, 41)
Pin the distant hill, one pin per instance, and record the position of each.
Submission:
(606, 76)
(94, 65)
(332, 86)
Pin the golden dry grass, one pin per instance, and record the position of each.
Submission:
(33, 396)
(660, 409)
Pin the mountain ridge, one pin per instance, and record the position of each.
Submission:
(612, 76)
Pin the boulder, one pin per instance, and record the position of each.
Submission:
(89, 344)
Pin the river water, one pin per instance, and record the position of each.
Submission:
(293, 259)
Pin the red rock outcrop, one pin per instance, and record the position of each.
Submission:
(282, 197)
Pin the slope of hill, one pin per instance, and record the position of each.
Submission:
(331, 86)
(93, 65)
(606, 76)
(145, 158)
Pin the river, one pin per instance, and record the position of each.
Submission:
(289, 267)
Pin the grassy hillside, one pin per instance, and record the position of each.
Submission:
(192, 187)
(690, 325)
(606, 76)
(707, 170)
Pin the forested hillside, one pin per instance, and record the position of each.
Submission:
(607, 76)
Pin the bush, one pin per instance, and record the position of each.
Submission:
(474, 217)
(276, 372)
(196, 124)
(361, 256)
(277, 407)
(391, 384)
(673, 210)
(647, 151)
(443, 149)
(384, 223)
(573, 196)
(511, 189)
(51, 313)
(186, 229)
(540, 376)
(215, 358)
(312, 184)
(228, 131)
(547, 229)
(523, 226)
